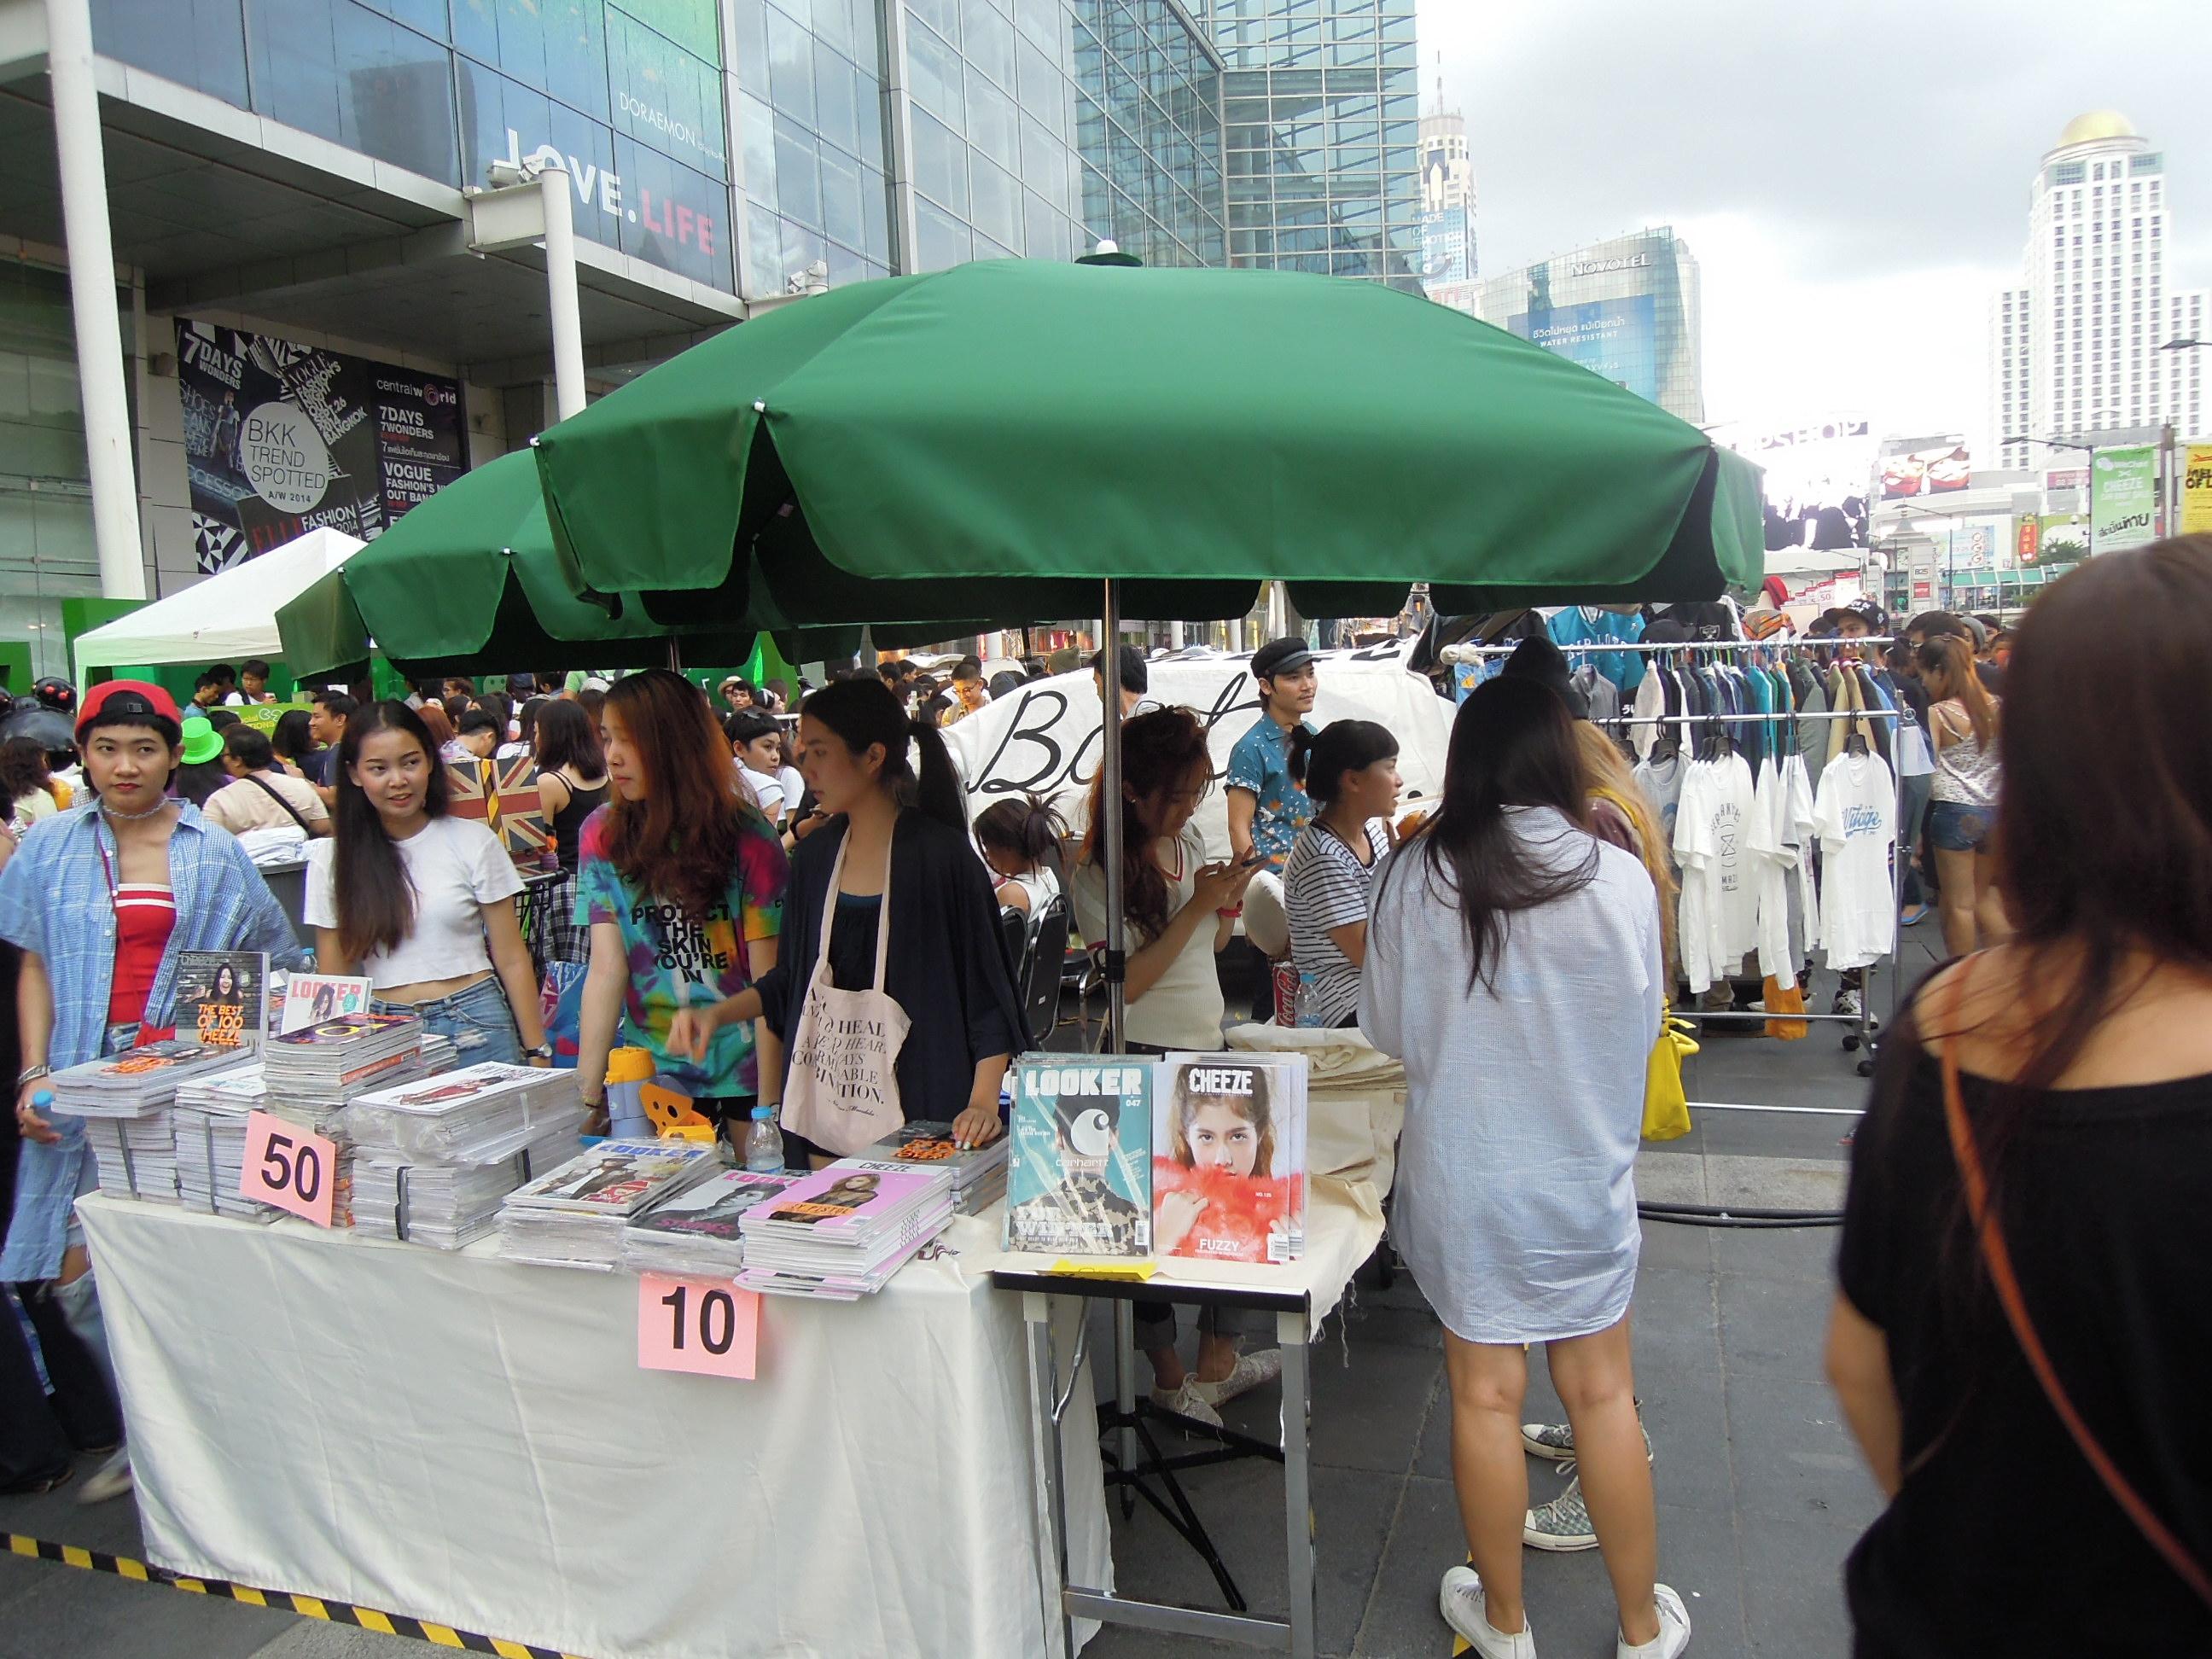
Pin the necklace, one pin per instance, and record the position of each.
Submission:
(132, 818)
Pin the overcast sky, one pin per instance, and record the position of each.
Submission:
(1852, 175)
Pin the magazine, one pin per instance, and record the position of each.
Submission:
(311, 999)
(1228, 1157)
(618, 1177)
(220, 997)
(711, 1209)
(1079, 1181)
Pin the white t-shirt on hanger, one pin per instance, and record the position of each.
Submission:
(1856, 813)
(1712, 844)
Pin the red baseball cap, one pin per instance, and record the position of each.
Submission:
(129, 701)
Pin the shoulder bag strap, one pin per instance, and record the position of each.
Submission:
(261, 785)
(1998, 1259)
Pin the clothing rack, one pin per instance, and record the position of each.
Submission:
(1602, 648)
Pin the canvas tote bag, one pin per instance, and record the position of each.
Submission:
(840, 1084)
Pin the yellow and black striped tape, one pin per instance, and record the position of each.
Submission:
(309, 1606)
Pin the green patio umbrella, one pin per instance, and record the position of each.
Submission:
(999, 437)
(468, 577)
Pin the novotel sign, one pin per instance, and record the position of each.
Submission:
(1595, 267)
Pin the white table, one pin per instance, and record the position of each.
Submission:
(470, 1441)
(1344, 1224)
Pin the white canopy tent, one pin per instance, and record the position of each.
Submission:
(227, 617)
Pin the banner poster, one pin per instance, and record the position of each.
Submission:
(2197, 490)
(1044, 739)
(281, 438)
(2123, 499)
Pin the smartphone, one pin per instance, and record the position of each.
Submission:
(1251, 859)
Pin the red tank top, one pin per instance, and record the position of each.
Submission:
(145, 916)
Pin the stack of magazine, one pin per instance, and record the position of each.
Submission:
(979, 1173)
(1200, 1155)
(209, 1117)
(841, 1232)
(323, 1065)
(695, 1231)
(125, 1101)
(574, 1217)
(434, 1158)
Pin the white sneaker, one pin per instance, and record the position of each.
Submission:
(111, 1480)
(1187, 1400)
(1251, 1371)
(1462, 1602)
(1673, 1630)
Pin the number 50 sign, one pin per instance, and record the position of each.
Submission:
(288, 1167)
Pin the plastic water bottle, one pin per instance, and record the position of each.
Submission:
(764, 1143)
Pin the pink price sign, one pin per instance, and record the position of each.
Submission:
(290, 1167)
(705, 1326)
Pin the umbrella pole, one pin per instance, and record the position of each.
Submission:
(1110, 800)
(675, 655)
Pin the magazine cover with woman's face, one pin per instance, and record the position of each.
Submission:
(1228, 1156)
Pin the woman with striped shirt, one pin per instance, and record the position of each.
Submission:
(1350, 772)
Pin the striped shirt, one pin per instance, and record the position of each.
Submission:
(1325, 886)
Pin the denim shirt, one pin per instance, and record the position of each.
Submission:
(54, 902)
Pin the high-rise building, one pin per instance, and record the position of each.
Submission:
(1323, 110)
(1627, 309)
(1450, 266)
(2076, 348)
(289, 184)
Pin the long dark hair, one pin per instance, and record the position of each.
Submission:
(2078, 876)
(1512, 744)
(1950, 656)
(375, 901)
(1159, 749)
(681, 843)
(1319, 760)
(863, 713)
(563, 736)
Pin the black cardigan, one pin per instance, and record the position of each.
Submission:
(946, 966)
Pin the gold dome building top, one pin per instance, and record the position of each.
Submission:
(2097, 124)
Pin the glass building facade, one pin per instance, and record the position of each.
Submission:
(1321, 113)
(46, 552)
(1627, 309)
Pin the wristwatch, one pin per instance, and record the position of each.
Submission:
(543, 1051)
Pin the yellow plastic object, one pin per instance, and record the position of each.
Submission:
(1136, 1272)
(1665, 1106)
(630, 1065)
(666, 1108)
(701, 1132)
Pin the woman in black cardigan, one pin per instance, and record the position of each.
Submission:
(947, 966)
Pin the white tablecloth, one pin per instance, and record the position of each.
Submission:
(470, 1441)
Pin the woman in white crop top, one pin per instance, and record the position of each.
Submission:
(421, 902)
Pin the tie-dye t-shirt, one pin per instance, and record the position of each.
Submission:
(673, 956)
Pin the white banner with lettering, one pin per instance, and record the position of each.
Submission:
(1043, 739)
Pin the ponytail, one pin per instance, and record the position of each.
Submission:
(936, 790)
(1301, 753)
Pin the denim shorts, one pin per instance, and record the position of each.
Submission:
(1954, 827)
(476, 1021)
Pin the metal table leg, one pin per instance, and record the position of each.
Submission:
(1291, 1334)
(1052, 1567)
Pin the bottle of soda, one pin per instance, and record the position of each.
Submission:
(764, 1143)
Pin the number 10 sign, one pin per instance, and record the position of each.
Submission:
(704, 1325)
(288, 1167)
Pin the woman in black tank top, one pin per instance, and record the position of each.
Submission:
(572, 774)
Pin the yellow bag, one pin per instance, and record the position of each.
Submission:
(1782, 997)
(1665, 1106)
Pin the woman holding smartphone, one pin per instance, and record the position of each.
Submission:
(421, 902)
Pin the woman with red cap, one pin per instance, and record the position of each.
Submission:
(100, 900)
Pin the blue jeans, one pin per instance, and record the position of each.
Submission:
(476, 1021)
(1953, 827)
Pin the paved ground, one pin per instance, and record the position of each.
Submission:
(1760, 1491)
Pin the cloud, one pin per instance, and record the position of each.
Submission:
(1853, 178)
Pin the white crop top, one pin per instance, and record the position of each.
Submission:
(457, 867)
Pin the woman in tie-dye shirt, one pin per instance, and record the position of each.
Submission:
(681, 882)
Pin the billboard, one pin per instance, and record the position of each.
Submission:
(1816, 481)
(1928, 470)
(2122, 498)
(2060, 538)
(2197, 490)
(281, 438)
(1445, 248)
(1613, 338)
